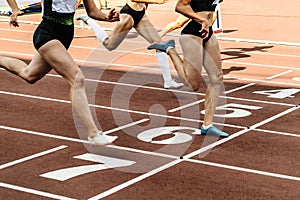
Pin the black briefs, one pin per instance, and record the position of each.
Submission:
(193, 28)
(136, 15)
(48, 30)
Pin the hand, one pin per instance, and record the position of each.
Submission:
(113, 15)
(204, 32)
(13, 18)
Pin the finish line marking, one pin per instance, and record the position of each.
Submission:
(188, 156)
(264, 173)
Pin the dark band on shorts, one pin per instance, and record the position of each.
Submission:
(193, 28)
(136, 15)
(48, 30)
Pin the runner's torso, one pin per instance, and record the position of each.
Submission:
(59, 11)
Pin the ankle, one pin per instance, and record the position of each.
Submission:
(207, 126)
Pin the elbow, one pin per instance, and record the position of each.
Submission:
(179, 7)
(92, 14)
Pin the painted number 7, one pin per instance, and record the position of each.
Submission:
(107, 163)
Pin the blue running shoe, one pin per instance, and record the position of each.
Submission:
(213, 131)
(162, 46)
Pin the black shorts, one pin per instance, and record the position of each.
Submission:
(136, 15)
(48, 30)
(193, 28)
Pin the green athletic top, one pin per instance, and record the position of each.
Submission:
(59, 11)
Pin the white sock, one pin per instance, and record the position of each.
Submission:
(163, 62)
(98, 30)
(207, 127)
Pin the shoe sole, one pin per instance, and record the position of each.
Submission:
(97, 144)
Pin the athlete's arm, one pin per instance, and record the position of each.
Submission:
(180, 21)
(15, 12)
(95, 13)
(184, 8)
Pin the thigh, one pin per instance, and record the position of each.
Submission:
(120, 30)
(192, 50)
(56, 55)
(146, 29)
(36, 69)
(212, 57)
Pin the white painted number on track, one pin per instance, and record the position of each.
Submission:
(178, 135)
(279, 94)
(237, 110)
(107, 163)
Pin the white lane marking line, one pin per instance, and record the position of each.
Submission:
(126, 126)
(35, 192)
(97, 48)
(280, 74)
(260, 65)
(186, 106)
(186, 92)
(180, 91)
(264, 173)
(202, 100)
(42, 134)
(273, 54)
(259, 41)
(15, 162)
(146, 53)
(239, 88)
(140, 112)
(118, 109)
(278, 133)
(85, 141)
(222, 50)
(14, 30)
(97, 106)
(134, 180)
(89, 62)
(258, 101)
(208, 147)
(264, 81)
(68, 138)
(177, 35)
(172, 163)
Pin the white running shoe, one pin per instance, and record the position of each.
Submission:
(102, 139)
(172, 85)
(83, 18)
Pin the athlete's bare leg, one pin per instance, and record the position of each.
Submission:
(189, 69)
(119, 32)
(54, 55)
(31, 73)
(213, 66)
(146, 29)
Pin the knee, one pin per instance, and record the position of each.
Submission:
(79, 79)
(109, 46)
(217, 79)
(194, 85)
(29, 78)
